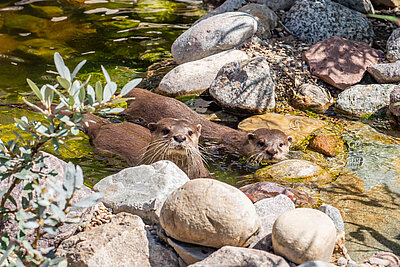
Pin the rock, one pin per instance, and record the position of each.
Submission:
(245, 86)
(384, 259)
(303, 235)
(296, 126)
(360, 100)
(395, 98)
(210, 213)
(293, 170)
(262, 190)
(363, 6)
(159, 254)
(267, 19)
(123, 242)
(269, 209)
(196, 76)
(393, 45)
(141, 190)
(314, 21)
(334, 214)
(386, 3)
(313, 97)
(213, 35)
(316, 264)
(276, 4)
(328, 145)
(340, 62)
(227, 6)
(233, 256)
(385, 73)
(190, 253)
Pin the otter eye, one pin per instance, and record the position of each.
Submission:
(260, 143)
(165, 131)
(190, 133)
(281, 144)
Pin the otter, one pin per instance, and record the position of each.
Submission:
(148, 107)
(168, 139)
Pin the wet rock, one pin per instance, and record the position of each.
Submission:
(242, 257)
(245, 86)
(196, 76)
(314, 21)
(394, 99)
(334, 214)
(316, 264)
(360, 100)
(313, 97)
(276, 4)
(210, 213)
(328, 145)
(141, 190)
(267, 19)
(385, 73)
(123, 242)
(363, 6)
(298, 127)
(269, 209)
(303, 235)
(293, 170)
(262, 190)
(213, 35)
(384, 259)
(340, 62)
(190, 253)
(393, 45)
(386, 3)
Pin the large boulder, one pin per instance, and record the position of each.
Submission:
(196, 76)
(360, 100)
(141, 190)
(340, 62)
(213, 35)
(210, 213)
(303, 235)
(267, 19)
(245, 86)
(314, 21)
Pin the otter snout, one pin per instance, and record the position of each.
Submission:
(179, 138)
(271, 152)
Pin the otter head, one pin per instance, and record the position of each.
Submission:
(270, 145)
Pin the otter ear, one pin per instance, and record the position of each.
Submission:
(290, 139)
(198, 128)
(251, 136)
(152, 126)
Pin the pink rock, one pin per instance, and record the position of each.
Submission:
(341, 62)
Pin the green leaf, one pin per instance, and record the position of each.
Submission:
(64, 82)
(111, 111)
(31, 225)
(61, 68)
(78, 177)
(106, 75)
(91, 95)
(69, 179)
(118, 100)
(129, 86)
(390, 18)
(6, 254)
(99, 91)
(92, 200)
(82, 94)
(77, 68)
(35, 89)
(397, 104)
(32, 105)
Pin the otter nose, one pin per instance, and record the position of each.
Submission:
(179, 138)
(271, 152)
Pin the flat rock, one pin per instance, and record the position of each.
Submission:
(210, 213)
(340, 62)
(395, 98)
(314, 21)
(141, 190)
(196, 76)
(393, 45)
(296, 126)
(363, 6)
(293, 171)
(329, 145)
(245, 86)
(276, 4)
(190, 253)
(123, 242)
(360, 100)
(241, 257)
(267, 19)
(213, 35)
(313, 97)
(386, 72)
(303, 235)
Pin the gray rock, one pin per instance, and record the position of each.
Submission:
(269, 209)
(159, 254)
(190, 253)
(316, 264)
(276, 4)
(123, 242)
(213, 35)
(196, 76)
(245, 87)
(227, 6)
(302, 235)
(314, 21)
(386, 72)
(394, 99)
(393, 45)
(363, 6)
(141, 190)
(241, 257)
(267, 19)
(313, 97)
(334, 214)
(360, 100)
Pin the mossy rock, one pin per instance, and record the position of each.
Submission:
(45, 48)
(8, 43)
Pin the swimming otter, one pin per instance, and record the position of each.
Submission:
(169, 139)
